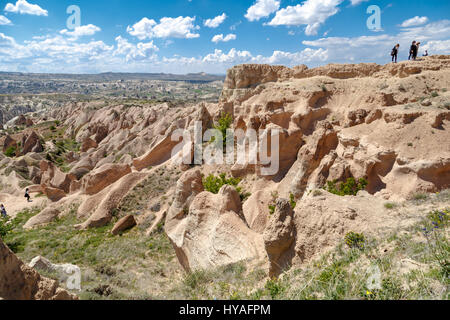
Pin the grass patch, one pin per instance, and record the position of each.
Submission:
(103, 258)
(349, 188)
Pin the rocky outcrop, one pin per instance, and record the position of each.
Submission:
(123, 224)
(256, 210)
(47, 215)
(207, 230)
(69, 273)
(21, 121)
(9, 142)
(279, 237)
(99, 208)
(88, 143)
(56, 184)
(53, 194)
(32, 143)
(162, 151)
(21, 282)
(102, 177)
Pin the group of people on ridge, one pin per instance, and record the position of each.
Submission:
(3, 212)
(413, 51)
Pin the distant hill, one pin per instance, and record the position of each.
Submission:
(111, 76)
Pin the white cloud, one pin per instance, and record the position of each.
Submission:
(437, 47)
(61, 54)
(434, 38)
(4, 21)
(133, 52)
(261, 9)
(416, 21)
(6, 40)
(23, 7)
(312, 13)
(181, 27)
(220, 38)
(87, 30)
(215, 22)
(356, 2)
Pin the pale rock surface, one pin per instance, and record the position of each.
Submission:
(21, 282)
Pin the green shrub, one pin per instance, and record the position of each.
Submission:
(272, 203)
(225, 121)
(213, 184)
(271, 209)
(274, 287)
(420, 196)
(435, 232)
(292, 201)
(11, 152)
(355, 240)
(348, 188)
(4, 228)
(389, 205)
(434, 94)
(194, 279)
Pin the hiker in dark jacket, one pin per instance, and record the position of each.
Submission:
(27, 195)
(417, 50)
(413, 51)
(394, 53)
(3, 211)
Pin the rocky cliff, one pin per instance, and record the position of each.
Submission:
(387, 125)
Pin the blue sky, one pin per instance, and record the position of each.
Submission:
(181, 36)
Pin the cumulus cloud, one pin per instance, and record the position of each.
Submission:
(356, 2)
(59, 54)
(87, 30)
(215, 22)
(434, 38)
(6, 40)
(23, 7)
(62, 54)
(4, 21)
(416, 21)
(261, 9)
(133, 52)
(437, 47)
(220, 38)
(181, 27)
(312, 13)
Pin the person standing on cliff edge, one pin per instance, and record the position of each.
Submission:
(394, 53)
(413, 51)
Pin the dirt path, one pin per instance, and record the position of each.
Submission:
(15, 204)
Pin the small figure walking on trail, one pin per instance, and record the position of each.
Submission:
(27, 195)
(413, 51)
(394, 53)
(3, 211)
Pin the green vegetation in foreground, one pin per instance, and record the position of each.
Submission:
(412, 264)
(110, 265)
